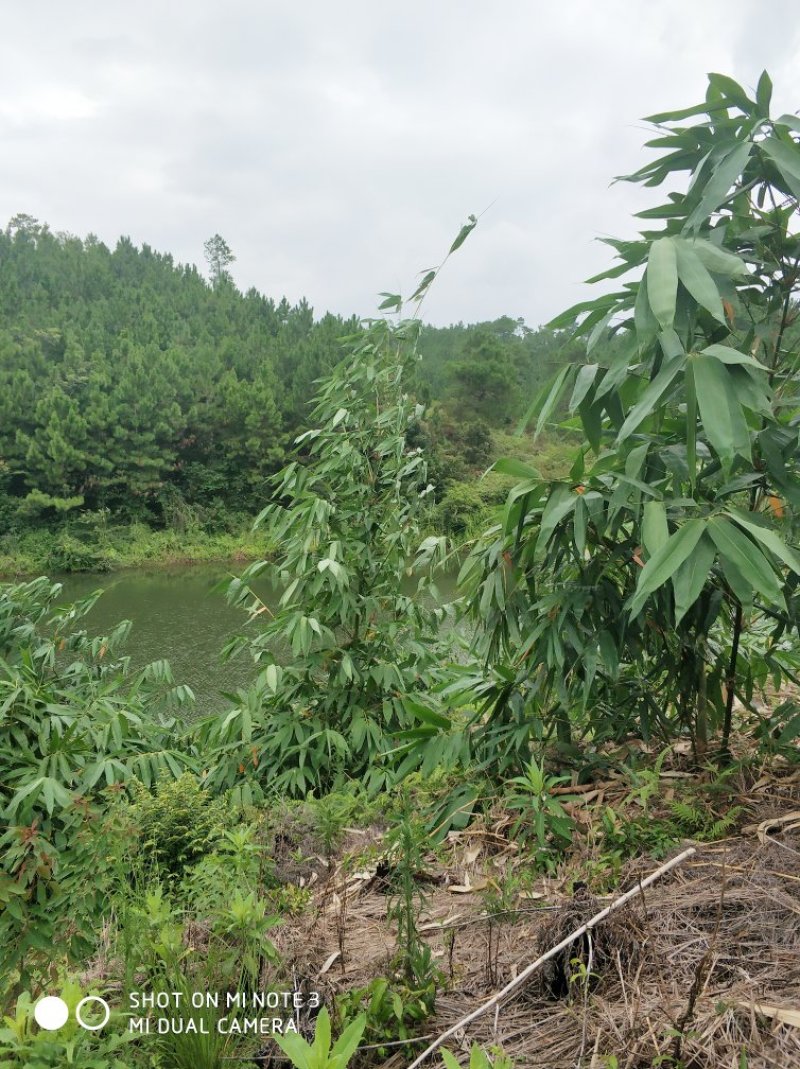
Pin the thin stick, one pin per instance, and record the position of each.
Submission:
(526, 972)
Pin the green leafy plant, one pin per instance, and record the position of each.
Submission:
(76, 723)
(479, 1059)
(617, 599)
(320, 1054)
(394, 1011)
(532, 795)
(244, 925)
(178, 823)
(345, 517)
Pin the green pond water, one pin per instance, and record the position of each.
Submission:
(177, 614)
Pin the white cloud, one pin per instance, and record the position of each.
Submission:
(338, 147)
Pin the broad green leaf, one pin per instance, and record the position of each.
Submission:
(717, 260)
(747, 558)
(652, 394)
(644, 321)
(691, 425)
(322, 1035)
(655, 530)
(583, 383)
(719, 185)
(721, 413)
(769, 539)
(546, 400)
(664, 563)
(609, 652)
(580, 523)
(787, 159)
(591, 415)
(691, 577)
(751, 389)
(662, 281)
(517, 468)
(764, 93)
(671, 345)
(698, 281)
(345, 1046)
(732, 356)
(732, 91)
(792, 121)
(300, 1053)
(559, 504)
(426, 715)
(599, 330)
(684, 113)
(392, 300)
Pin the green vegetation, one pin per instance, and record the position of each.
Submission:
(593, 696)
(143, 411)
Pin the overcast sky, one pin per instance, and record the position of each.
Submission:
(338, 146)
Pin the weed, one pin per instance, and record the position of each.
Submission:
(479, 1059)
(393, 1012)
(320, 1054)
(540, 810)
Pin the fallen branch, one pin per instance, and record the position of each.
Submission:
(528, 970)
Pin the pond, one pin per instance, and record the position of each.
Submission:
(179, 614)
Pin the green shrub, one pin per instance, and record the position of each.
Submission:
(178, 823)
(75, 721)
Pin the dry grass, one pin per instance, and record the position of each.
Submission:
(676, 977)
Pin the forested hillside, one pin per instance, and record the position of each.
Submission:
(132, 390)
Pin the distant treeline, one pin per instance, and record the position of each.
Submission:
(129, 383)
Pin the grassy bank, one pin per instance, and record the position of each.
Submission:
(125, 546)
(471, 506)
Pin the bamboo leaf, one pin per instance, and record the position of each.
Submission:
(769, 539)
(583, 383)
(723, 177)
(732, 356)
(732, 91)
(746, 558)
(655, 530)
(546, 400)
(423, 286)
(764, 93)
(643, 319)
(695, 277)
(559, 504)
(786, 158)
(662, 281)
(690, 578)
(715, 259)
(663, 564)
(392, 300)
(517, 468)
(721, 413)
(464, 233)
(652, 394)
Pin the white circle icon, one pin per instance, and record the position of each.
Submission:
(82, 1003)
(51, 1013)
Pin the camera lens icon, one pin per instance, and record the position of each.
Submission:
(52, 1013)
(94, 1026)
